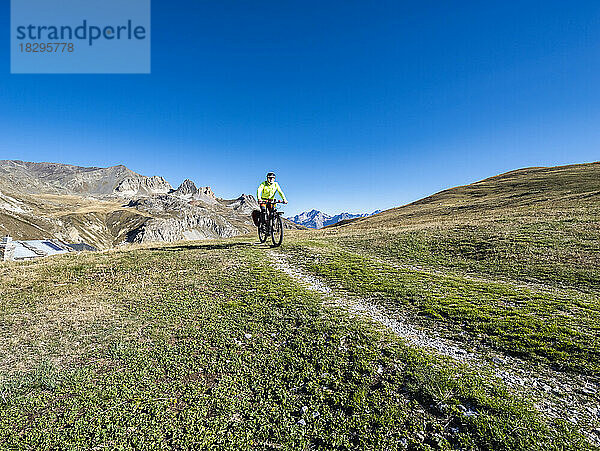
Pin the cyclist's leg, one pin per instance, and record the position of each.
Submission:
(270, 211)
(263, 213)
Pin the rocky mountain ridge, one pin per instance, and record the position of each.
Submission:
(57, 178)
(111, 206)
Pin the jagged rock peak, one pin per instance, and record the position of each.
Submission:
(207, 191)
(189, 188)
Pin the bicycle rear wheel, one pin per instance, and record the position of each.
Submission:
(277, 231)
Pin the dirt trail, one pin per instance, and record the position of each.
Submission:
(359, 306)
(571, 397)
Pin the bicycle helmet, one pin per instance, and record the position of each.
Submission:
(270, 174)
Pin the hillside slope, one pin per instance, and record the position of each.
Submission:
(535, 225)
(520, 192)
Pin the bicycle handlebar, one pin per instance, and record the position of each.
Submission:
(272, 201)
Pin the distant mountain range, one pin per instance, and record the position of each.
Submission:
(316, 219)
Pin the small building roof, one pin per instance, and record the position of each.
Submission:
(28, 249)
(25, 249)
(22, 252)
(48, 247)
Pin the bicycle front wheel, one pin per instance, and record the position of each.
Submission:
(277, 231)
(262, 232)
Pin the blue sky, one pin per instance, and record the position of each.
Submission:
(355, 105)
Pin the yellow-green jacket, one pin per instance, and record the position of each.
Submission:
(268, 191)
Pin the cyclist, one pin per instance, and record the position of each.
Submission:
(266, 191)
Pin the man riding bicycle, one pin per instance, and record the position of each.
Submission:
(266, 191)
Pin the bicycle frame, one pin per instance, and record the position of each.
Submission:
(271, 208)
(267, 224)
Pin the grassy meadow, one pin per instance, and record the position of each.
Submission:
(208, 345)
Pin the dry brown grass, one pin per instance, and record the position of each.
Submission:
(50, 313)
(59, 331)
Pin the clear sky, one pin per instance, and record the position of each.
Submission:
(356, 105)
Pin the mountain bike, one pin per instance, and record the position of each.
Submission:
(274, 224)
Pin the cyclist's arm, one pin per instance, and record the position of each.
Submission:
(281, 193)
(259, 192)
